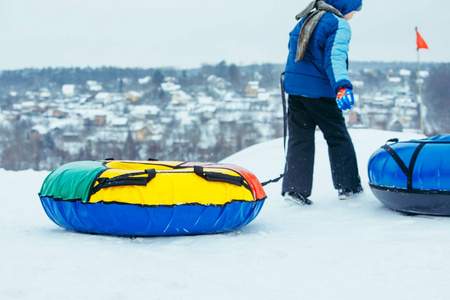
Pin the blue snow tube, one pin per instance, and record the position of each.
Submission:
(413, 176)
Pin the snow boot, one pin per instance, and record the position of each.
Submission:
(347, 193)
(297, 198)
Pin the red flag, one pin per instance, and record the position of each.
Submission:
(420, 42)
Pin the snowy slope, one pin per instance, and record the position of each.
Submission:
(355, 249)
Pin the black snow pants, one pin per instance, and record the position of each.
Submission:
(304, 115)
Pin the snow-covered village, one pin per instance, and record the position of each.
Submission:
(204, 115)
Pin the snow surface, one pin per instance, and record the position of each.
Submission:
(355, 249)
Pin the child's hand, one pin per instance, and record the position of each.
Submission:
(345, 99)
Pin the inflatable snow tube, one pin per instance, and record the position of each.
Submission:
(153, 198)
(413, 176)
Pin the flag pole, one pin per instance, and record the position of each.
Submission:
(420, 91)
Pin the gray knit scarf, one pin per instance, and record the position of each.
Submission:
(311, 22)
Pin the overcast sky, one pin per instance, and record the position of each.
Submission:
(188, 33)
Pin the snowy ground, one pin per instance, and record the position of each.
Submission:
(355, 249)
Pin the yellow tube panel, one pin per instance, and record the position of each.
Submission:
(174, 187)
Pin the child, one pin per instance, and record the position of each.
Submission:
(319, 88)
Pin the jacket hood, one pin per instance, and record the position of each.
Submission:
(345, 6)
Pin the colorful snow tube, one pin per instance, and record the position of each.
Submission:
(135, 198)
(413, 176)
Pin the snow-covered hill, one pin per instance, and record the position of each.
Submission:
(355, 249)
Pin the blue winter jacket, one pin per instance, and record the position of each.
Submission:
(323, 69)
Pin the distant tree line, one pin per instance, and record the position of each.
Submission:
(115, 79)
(436, 99)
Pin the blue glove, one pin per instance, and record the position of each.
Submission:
(345, 99)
